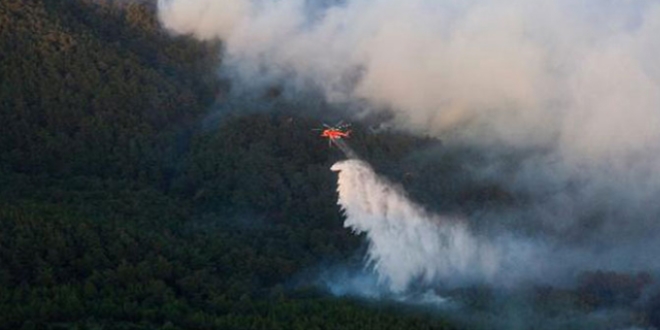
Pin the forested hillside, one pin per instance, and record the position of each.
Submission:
(85, 84)
(118, 211)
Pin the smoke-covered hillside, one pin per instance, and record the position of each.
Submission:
(547, 113)
(560, 99)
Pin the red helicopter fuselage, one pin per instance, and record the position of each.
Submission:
(334, 133)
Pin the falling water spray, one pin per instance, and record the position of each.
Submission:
(408, 245)
(346, 149)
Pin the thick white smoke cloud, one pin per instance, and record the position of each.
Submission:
(583, 74)
(576, 82)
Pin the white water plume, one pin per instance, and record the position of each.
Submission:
(408, 245)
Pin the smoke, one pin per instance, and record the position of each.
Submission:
(561, 97)
(518, 73)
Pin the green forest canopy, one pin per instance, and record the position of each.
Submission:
(118, 211)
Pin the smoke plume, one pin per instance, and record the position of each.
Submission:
(562, 97)
(581, 75)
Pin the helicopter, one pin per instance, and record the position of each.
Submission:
(332, 133)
